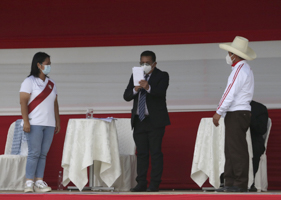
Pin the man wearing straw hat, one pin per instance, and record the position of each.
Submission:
(235, 106)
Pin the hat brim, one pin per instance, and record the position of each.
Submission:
(249, 55)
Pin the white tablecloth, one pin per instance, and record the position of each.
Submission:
(209, 159)
(87, 140)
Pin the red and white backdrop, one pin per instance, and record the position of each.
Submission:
(94, 44)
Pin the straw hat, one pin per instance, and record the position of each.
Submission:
(239, 47)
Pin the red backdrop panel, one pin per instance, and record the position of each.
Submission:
(85, 23)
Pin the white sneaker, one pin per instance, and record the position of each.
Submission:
(41, 186)
(28, 187)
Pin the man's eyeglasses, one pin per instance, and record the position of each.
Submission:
(146, 64)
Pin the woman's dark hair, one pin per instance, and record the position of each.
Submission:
(39, 57)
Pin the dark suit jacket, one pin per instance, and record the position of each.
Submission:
(155, 100)
(259, 118)
(258, 127)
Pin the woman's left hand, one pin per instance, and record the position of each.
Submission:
(57, 130)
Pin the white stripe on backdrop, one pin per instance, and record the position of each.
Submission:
(96, 77)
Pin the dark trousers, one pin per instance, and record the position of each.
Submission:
(148, 141)
(236, 167)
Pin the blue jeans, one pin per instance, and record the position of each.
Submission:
(39, 141)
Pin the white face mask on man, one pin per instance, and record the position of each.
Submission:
(229, 60)
(146, 67)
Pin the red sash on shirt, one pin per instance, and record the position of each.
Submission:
(43, 95)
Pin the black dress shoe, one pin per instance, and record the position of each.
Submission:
(138, 188)
(236, 189)
(152, 189)
(253, 189)
(224, 189)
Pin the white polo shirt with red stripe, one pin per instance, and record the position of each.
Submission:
(239, 90)
(44, 113)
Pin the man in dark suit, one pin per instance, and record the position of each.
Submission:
(149, 118)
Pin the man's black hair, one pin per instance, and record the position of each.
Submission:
(149, 53)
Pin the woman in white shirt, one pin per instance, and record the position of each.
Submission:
(40, 113)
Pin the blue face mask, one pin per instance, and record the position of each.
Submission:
(47, 69)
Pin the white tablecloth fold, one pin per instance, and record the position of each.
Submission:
(261, 182)
(124, 182)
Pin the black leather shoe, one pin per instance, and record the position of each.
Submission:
(152, 189)
(224, 189)
(138, 188)
(253, 189)
(236, 189)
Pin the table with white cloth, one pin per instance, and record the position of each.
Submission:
(86, 141)
(209, 158)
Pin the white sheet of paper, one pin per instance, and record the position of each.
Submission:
(137, 75)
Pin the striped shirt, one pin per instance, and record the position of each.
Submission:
(239, 90)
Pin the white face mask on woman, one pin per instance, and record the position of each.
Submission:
(47, 69)
(228, 59)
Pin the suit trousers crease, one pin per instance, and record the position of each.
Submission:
(148, 141)
(236, 149)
